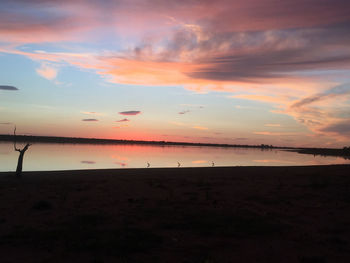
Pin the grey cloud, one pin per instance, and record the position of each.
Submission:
(255, 55)
(130, 113)
(6, 123)
(6, 87)
(341, 128)
(89, 119)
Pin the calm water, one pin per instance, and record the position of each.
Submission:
(85, 156)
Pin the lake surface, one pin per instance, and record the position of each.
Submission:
(45, 157)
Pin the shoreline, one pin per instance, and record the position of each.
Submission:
(263, 214)
(173, 169)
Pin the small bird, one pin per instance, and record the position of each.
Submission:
(178, 164)
(212, 164)
(148, 165)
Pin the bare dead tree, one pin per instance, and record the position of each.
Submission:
(21, 155)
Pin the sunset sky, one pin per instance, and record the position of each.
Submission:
(239, 72)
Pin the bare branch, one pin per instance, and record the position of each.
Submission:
(14, 145)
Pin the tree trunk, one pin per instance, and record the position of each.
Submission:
(19, 164)
(20, 160)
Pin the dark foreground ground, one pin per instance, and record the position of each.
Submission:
(204, 215)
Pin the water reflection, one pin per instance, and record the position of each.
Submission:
(87, 156)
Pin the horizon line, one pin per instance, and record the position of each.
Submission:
(36, 137)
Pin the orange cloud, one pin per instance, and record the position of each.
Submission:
(200, 128)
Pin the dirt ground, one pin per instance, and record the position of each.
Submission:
(177, 215)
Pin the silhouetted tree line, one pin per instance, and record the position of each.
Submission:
(53, 139)
(346, 150)
(266, 146)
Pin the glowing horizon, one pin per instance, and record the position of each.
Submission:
(235, 72)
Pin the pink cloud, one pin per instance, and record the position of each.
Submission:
(269, 48)
(47, 71)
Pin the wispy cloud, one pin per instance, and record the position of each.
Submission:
(6, 123)
(200, 128)
(92, 120)
(330, 93)
(130, 113)
(6, 87)
(324, 113)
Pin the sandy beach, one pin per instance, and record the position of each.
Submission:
(204, 215)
